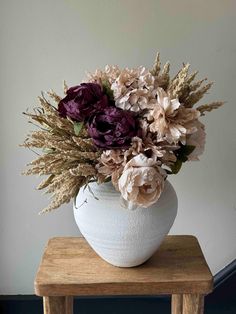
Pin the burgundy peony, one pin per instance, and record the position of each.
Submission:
(112, 128)
(82, 101)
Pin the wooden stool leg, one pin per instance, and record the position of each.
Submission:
(193, 304)
(176, 304)
(58, 305)
(69, 305)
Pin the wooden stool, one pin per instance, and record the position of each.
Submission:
(69, 267)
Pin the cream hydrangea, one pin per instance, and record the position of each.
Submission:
(110, 74)
(141, 182)
(134, 89)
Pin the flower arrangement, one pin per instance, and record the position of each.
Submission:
(133, 127)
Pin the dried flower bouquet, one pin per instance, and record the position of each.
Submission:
(133, 127)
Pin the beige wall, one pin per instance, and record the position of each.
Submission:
(44, 42)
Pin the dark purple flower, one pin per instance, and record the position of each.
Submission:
(82, 101)
(112, 128)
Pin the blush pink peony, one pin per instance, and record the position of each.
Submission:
(141, 182)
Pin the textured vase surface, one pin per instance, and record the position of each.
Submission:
(123, 237)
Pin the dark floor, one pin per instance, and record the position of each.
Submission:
(221, 301)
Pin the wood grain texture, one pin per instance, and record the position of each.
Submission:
(193, 304)
(176, 304)
(69, 305)
(58, 305)
(70, 267)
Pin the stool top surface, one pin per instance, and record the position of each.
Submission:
(69, 266)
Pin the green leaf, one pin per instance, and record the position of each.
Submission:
(182, 156)
(187, 149)
(108, 179)
(184, 151)
(78, 127)
(168, 171)
(107, 89)
(176, 166)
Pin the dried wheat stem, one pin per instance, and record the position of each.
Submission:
(210, 107)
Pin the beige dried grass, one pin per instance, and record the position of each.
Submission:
(210, 107)
(184, 86)
(68, 160)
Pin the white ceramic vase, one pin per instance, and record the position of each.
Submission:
(123, 237)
